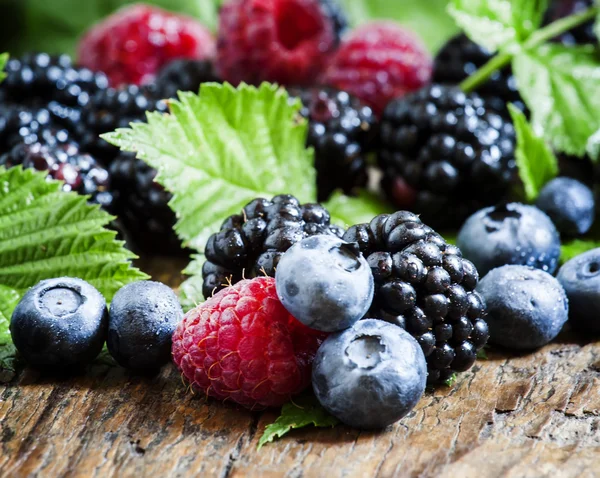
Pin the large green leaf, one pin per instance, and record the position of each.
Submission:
(219, 150)
(561, 86)
(498, 24)
(46, 233)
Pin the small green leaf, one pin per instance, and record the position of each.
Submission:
(219, 150)
(347, 211)
(498, 24)
(301, 412)
(451, 380)
(190, 292)
(3, 60)
(572, 249)
(46, 233)
(8, 362)
(482, 354)
(536, 162)
(593, 146)
(561, 86)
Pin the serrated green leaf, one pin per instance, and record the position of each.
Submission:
(346, 210)
(561, 86)
(46, 233)
(498, 24)
(301, 412)
(219, 150)
(574, 248)
(536, 162)
(3, 60)
(429, 19)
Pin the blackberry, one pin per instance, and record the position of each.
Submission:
(251, 243)
(342, 131)
(142, 205)
(445, 154)
(461, 57)
(336, 13)
(184, 75)
(40, 77)
(580, 35)
(79, 171)
(424, 284)
(111, 109)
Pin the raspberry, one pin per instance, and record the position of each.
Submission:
(341, 131)
(425, 286)
(243, 345)
(284, 41)
(131, 45)
(445, 154)
(460, 57)
(378, 62)
(250, 244)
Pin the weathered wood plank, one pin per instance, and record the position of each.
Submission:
(531, 415)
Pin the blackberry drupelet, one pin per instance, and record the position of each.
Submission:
(581, 35)
(40, 78)
(461, 57)
(251, 243)
(424, 284)
(184, 75)
(142, 205)
(342, 131)
(445, 155)
(333, 9)
(79, 171)
(111, 109)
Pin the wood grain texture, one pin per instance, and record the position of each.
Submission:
(533, 415)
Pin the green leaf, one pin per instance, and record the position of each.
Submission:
(219, 150)
(451, 380)
(536, 162)
(593, 146)
(48, 27)
(429, 19)
(572, 249)
(498, 24)
(8, 362)
(3, 60)
(301, 412)
(347, 211)
(46, 233)
(482, 354)
(561, 86)
(190, 291)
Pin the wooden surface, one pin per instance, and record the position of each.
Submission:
(533, 415)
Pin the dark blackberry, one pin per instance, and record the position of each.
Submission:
(334, 10)
(184, 75)
(445, 155)
(111, 109)
(40, 78)
(142, 205)
(341, 130)
(581, 35)
(424, 284)
(251, 243)
(461, 57)
(79, 171)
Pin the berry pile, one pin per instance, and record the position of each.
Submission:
(444, 154)
(424, 284)
(251, 243)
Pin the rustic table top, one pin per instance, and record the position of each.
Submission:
(532, 415)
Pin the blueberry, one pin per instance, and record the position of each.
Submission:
(570, 204)
(580, 278)
(371, 375)
(526, 307)
(60, 323)
(143, 317)
(510, 234)
(327, 284)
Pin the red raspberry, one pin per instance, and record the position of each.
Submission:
(379, 62)
(131, 45)
(283, 41)
(243, 345)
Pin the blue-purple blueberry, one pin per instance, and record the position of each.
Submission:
(325, 283)
(371, 375)
(526, 307)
